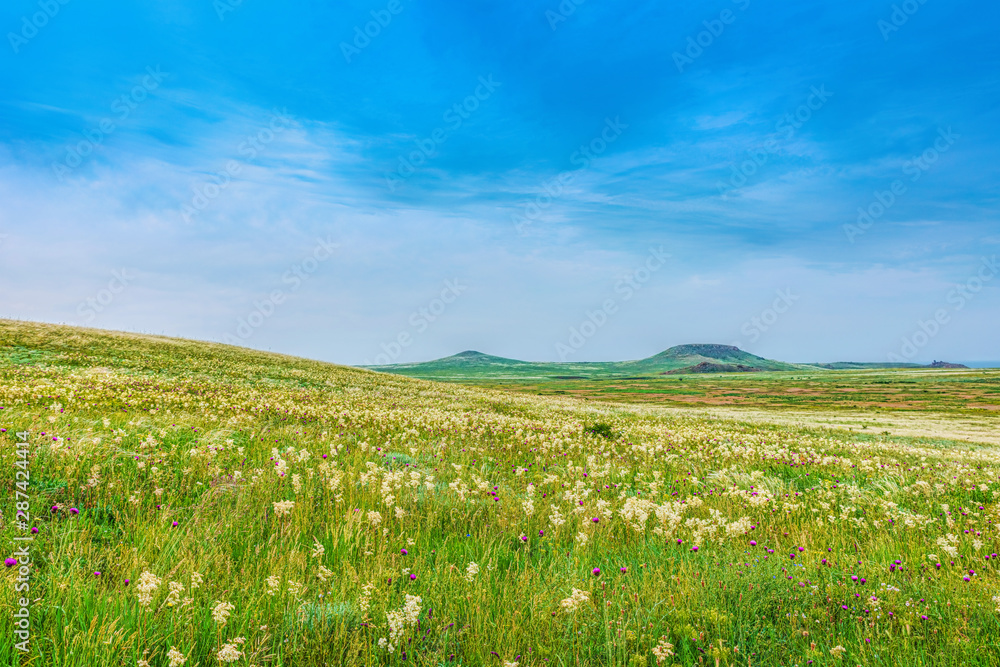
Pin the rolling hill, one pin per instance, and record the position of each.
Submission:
(677, 360)
(696, 358)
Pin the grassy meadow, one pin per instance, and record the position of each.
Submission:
(202, 505)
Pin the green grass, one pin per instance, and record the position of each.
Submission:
(139, 432)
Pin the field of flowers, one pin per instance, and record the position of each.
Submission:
(193, 504)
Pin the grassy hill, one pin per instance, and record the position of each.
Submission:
(472, 365)
(193, 504)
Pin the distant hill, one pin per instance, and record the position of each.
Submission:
(677, 360)
(698, 358)
(862, 365)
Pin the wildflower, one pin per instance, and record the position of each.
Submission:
(195, 580)
(73, 510)
(324, 574)
(148, 583)
(365, 600)
(400, 619)
(596, 571)
(10, 562)
(174, 596)
(273, 584)
(471, 571)
(221, 611)
(838, 651)
(176, 657)
(229, 653)
(283, 507)
(573, 602)
(663, 650)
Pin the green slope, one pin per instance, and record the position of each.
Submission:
(697, 358)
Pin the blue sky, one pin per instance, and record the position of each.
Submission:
(494, 176)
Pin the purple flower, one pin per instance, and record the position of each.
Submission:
(753, 543)
(10, 562)
(73, 510)
(97, 574)
(34, 530)
(694, 548)
(127, 582)
(413, 577)
(174, 524)
(595, 519)
(403, 551)
(624, 569)
(541, 533)
(596, 571)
